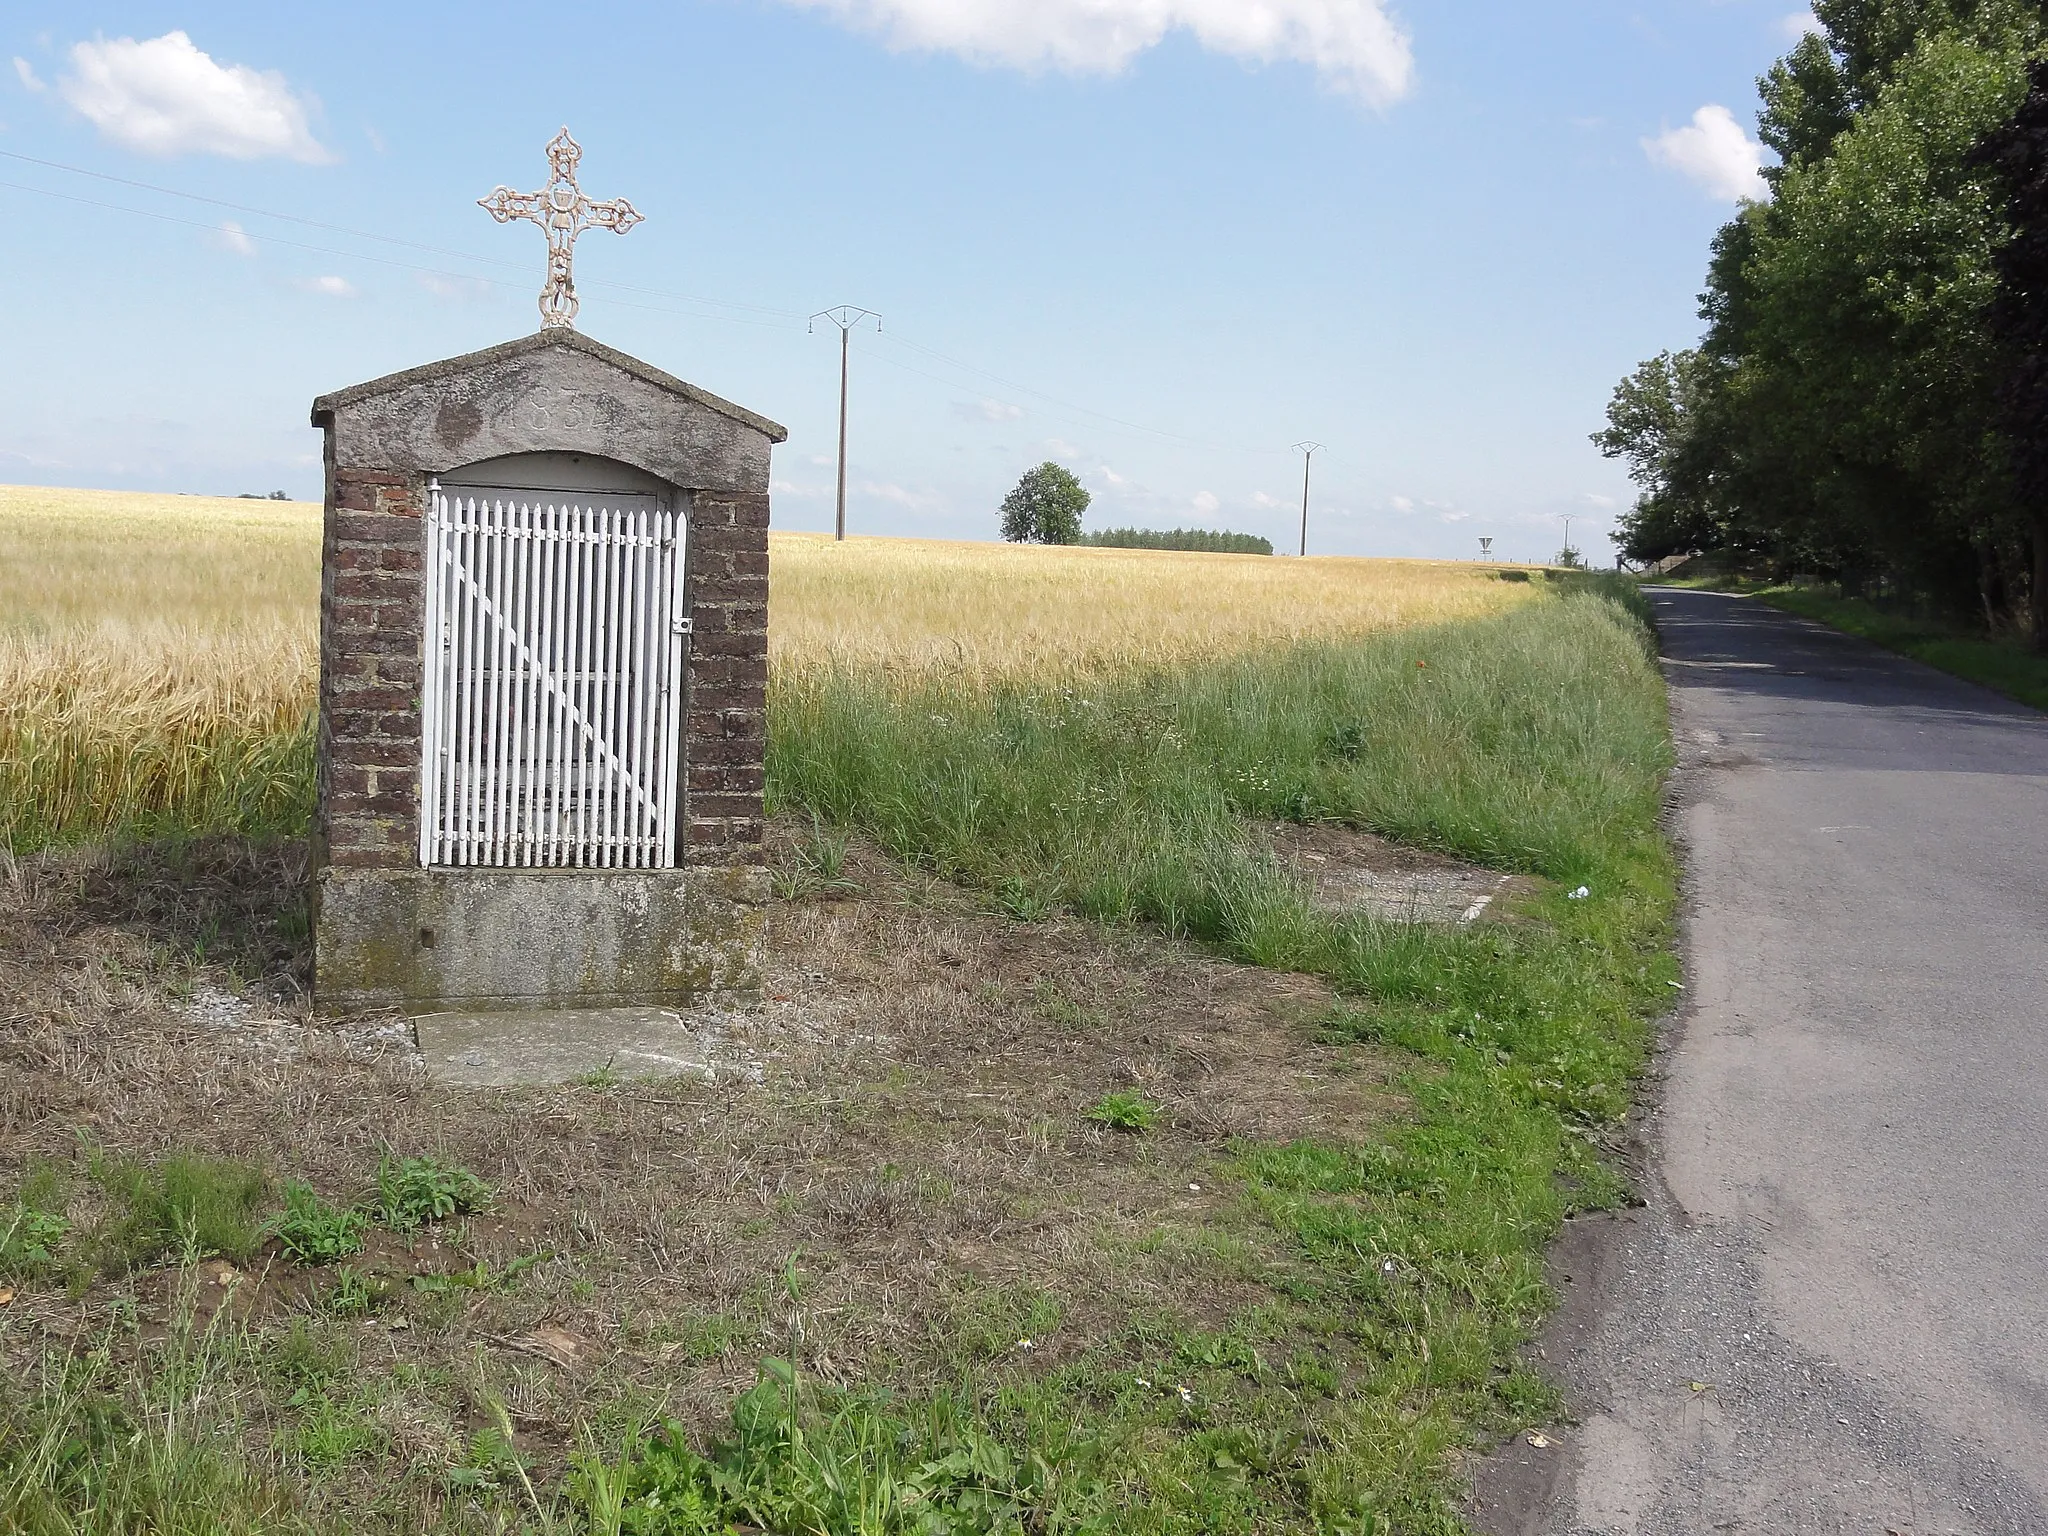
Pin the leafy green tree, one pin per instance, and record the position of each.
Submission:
(1045, 507)
(1838, 416)
(2018, 321)
(1654, 423)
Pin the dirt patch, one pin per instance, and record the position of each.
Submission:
(912, 1179)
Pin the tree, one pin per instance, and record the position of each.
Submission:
(1840, 416)
(1046, 507)
(2018, 320)
(1654, 423)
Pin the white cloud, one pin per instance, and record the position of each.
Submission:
(1060, 448)
(166, 97)
(987, 410)
(1206, 503)
(1355, 45)
(1799, 23)
(329, 287)
(234, 238)
(1715, 152)
(901, 495)
(27, 73)
(1402, 504)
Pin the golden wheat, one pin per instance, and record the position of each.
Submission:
(1009, 609)
(158, 655)
(157, 660)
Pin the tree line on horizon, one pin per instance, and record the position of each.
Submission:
(1047, 504)
(1868, 403)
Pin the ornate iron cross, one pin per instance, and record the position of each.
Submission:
(561, 209)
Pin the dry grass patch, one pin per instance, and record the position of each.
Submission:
(910, 1190)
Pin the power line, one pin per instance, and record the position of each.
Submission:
(1307, 451)
(359, 234)
(846, 317)
(1091, 415)
(328, 250)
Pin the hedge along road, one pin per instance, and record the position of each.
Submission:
(1833, 1314)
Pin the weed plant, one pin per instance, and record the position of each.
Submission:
(1125, 1111)
(413, 1191)
(313, 1231)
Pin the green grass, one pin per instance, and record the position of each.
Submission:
(184, 1206)
(413, 1191)
(1389, 1280)
(1125, 1111)
(1535, 741)
(2005, 666)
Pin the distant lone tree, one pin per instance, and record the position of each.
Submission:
(1046, 507)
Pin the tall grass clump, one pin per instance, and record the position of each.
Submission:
(1533, 741)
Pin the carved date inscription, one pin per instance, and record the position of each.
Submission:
(558, 410)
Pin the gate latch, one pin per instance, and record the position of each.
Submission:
(681, 627)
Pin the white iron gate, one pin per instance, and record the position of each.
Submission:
(552, 701)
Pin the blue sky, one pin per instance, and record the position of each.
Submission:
(1158, 240)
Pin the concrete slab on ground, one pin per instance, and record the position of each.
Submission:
(1453, 896)
(1347, 870)
(543, 1046)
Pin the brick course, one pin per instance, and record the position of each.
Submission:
(373, 618)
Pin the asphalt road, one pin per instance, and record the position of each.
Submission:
(1833, 1314)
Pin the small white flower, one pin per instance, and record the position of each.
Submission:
(1194, 1189)
(1023, 1343)
(1580, 894)
(1185, 1395)
(1141, 1381)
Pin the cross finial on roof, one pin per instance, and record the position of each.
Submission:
(561, 209)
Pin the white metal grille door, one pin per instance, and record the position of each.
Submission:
(554, 663)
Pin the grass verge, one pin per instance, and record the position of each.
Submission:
(2004, 665)
(914, 1278)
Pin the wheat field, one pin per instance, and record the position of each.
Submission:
(158, 654)
(1005, 609)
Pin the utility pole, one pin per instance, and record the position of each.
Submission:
(846, 317)
(1308, 452)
